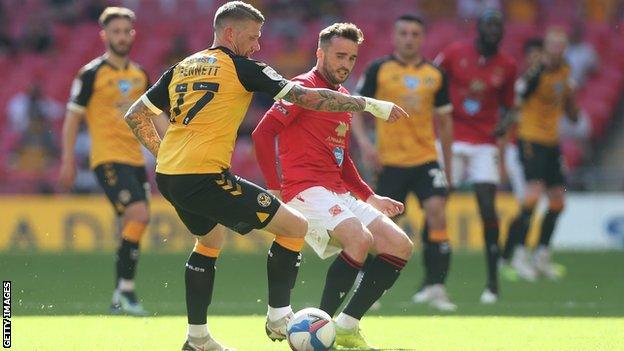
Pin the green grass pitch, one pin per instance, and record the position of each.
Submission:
(60, 302)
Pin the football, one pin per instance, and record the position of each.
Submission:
(311, 329)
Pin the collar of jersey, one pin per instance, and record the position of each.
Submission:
(420, 63)
(320, 76)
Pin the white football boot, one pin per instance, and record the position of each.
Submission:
(521, 263)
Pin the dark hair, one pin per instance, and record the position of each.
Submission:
(533, 43)
(111, 13)
(237, 10)
(410, 18)
(343, 30)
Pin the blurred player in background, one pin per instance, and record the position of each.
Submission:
(513, 166)
(317, 176)
(101, 93)
(546, 93)
(533, 51)
(405, 155)
(481, 83)
(207, 95)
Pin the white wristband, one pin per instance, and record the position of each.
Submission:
(380, 109)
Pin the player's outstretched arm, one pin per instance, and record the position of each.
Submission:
(333, 101)
(139, 118)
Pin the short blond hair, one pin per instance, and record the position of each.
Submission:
(341, 30)
(237, 10)
(113, 12)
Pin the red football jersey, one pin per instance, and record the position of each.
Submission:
(313, 146)
(478, 88)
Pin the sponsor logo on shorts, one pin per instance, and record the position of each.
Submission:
(124, 196)
(335, 210)
(264, 199)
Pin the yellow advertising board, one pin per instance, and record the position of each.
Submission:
(87, 223)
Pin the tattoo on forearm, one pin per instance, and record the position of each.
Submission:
(324, 100)
(139, 118)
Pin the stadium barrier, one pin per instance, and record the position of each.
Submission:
(87, 223)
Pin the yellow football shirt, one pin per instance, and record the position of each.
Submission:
(206, 96)
(104, 93)
(419, 89)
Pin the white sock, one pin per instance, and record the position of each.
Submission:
(198, 330)
(279, 312)
(345, 321)
(125, 285)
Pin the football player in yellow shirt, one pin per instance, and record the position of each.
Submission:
(101, 93)
(546, 93)
(406, 156)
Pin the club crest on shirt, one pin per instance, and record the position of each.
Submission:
(339, 155)
(264, 200)
(124, 86)
(411, 82)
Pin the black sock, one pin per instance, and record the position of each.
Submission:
(199, 279)
(518, 231)
(524, 225)
(443, 261)
(548, 226)
(428, 258)
(491, 254)
(436, 259)
(282, 269)
(486, 197)
(126, 260)
(339, 281)
(380, 276)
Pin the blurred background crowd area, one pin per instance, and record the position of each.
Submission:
(43, 43)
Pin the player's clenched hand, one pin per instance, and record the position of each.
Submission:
(386, 205)
(397, 113)
(67, 176)
(384, 109)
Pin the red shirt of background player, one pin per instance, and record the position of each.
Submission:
(313, 146)
(478, 88)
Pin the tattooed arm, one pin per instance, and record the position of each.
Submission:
(139, 118)
(333, 101)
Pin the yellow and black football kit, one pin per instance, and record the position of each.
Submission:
(104, 93)
(543, 94)
(206, 96)
(407, 147)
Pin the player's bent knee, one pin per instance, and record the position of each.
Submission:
(137, 212)
(406, 248)
(361, 241)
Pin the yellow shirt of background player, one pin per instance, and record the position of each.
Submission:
(544, 106)
(105, 93)
(420, 90)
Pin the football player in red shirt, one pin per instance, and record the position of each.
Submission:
(481, 83)
(319, 178)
